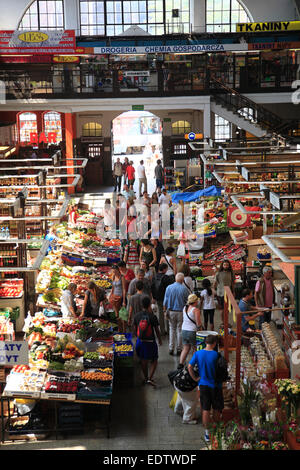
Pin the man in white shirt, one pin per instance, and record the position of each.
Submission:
(68, 305)
(142, 177)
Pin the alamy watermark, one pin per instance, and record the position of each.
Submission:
(140, 221)
(296, 85)
(2, 92)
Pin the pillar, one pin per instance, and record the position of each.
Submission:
(70, 134)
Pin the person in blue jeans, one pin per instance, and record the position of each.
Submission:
(211, 393)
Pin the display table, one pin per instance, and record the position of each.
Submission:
(55, 400)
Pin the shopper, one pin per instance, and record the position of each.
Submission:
(208, 303)
(131, 253)
(73, 215)
(124, 168)
(149, 274)
(211, 394)
(147, 330)
(190, 325)
(117, 173)
(93, 298)
(265, 294)
(130, 171)
(248, 319)
(117, 297)
(224, 277)
(148, 254)
(140, 276)
(68, 304)
(127, 273)
(174, 301)
(160, 282)
(170, 260)
(109, 216)
(135, 302)
(187, 395)
(159, 174)
(141, 172)
(159, 248)
(128, 193)
(188, 281)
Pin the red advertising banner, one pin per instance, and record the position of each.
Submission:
(37, 42)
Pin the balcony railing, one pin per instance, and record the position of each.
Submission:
(89, 81)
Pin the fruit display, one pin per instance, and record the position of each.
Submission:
(11, 288)
(124, 348)
(96, 375)
(61, 383)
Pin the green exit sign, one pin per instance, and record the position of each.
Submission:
(137, 107)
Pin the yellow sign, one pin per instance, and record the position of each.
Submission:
(33, 36)
(267, 26)
(64, 59)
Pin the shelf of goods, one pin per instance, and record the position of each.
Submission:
(290, 338)
(69, 360)
(232, 252)
(12, 300)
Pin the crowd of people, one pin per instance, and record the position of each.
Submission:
(127, 173)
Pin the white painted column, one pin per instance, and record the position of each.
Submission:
(206, 121)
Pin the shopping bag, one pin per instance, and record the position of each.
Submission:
(123, 314)
(101, 311)
(173, 400)
(181, 250)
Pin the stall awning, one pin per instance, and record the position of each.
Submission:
(189, 197)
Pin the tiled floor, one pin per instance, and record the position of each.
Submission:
(141, 419)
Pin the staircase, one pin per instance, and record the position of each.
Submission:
(243, 112)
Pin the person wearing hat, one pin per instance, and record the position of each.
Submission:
(190, 325)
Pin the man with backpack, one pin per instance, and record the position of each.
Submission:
(212, 369)
(147, 330)
(159, 284)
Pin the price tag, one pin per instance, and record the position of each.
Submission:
(64, 396)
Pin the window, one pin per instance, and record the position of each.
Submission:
(181, 127)
(92, 129)
(222, 129)
(113, 17)
(222, 15)
(27, 124)
(52, 123)
(43, 14)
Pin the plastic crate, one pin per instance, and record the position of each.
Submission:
(127, 353)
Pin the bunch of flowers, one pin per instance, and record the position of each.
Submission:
(278, 445)
(289, 391)
(262, 445)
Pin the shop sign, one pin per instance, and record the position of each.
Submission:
(65, 59)
(38, 42)
(137, 73)
(137, 107)
(273, 45)
(173, 49)
(13, 353)
(245, 173)
(40, 138)
(268, 26)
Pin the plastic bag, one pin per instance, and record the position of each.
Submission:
(123, 314)
(101, 311)
(173, 400)
(181, 250)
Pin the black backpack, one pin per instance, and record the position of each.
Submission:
(221, 369)
(158, 289)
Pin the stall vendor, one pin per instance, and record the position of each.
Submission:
(68, 304)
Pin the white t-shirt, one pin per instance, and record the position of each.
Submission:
(208, 300)
(66, 303)
(164, 199)
(187, 324)
(189, 283)
(141, 171)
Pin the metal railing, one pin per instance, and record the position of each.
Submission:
(240, 104)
